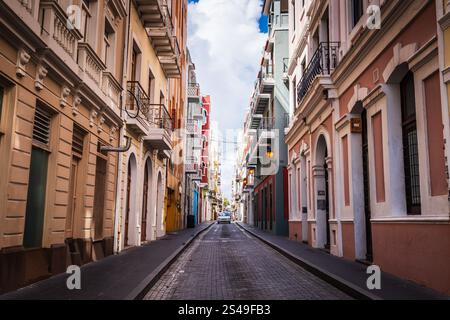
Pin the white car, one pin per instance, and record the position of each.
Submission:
(224, 217)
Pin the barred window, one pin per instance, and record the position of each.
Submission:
(410, 146)
(357, 8)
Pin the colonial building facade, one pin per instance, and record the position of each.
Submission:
(177, 104)
(60, 108)
(193, 155)
(152, 59)
(267, 157)
(369, 134)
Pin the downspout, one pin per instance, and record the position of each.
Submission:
(118, 213)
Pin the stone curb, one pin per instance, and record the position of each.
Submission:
(145, 285)
(336, 281)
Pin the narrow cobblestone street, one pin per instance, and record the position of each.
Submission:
(226, 263)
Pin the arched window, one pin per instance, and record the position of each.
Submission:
(410, 146)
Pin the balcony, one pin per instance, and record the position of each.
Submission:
(90, 63)
(193, 127)
(193, 92)
(323, 63)
(136, 104)
(266, 80)
(191, 168)
(262, 102)
(196, 111)
(160, 133)
(158, 22)
(255, 121)
(197, 176)
(54, 28)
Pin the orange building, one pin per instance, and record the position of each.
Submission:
(177, 104)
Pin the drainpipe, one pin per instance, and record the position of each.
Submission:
(118, 149)
(118, 211)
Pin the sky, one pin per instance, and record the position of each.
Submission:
(226, 39)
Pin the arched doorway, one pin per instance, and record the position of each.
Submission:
(146, 202)
(130, 201)
(366, 184)
(159, 205)
(358, 146)
(322, 187)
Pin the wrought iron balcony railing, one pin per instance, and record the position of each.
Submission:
(158, 115)
(323, 62)
(138, 104)
(267, 124)
(137, 100)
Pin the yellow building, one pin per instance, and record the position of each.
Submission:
(60, 88)
(152, 59)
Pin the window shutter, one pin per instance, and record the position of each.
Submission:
(41, 127)
(77, 141)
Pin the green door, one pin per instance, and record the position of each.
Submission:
(34, 218)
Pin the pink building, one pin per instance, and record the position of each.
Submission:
(367, 140)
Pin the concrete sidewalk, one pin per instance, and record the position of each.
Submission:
(349, 276)
(125, 276)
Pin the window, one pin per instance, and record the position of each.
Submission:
(151, 86)
(357, 8)
(284, 6)
(134, 65)
(37, 181)
(85, 17)
(108, 38)
(410, 146)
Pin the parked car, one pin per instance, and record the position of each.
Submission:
(224, 217)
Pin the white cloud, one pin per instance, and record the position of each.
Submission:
(226, 46)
